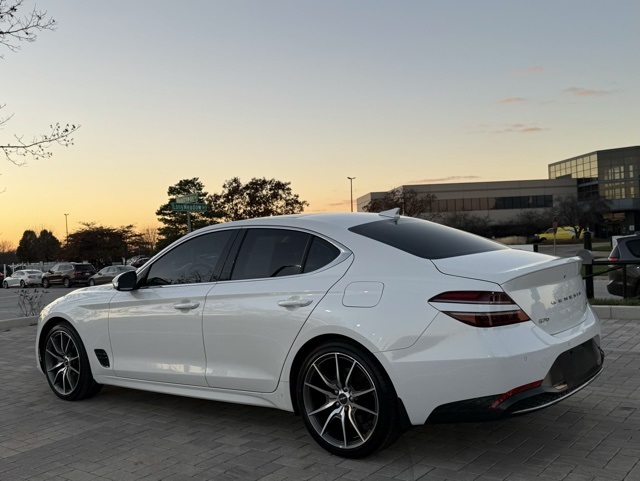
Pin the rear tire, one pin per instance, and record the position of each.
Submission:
(347, 402)
(22, 284)
(66, 365)
(66, 282)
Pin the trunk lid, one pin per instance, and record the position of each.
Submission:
(549, 289)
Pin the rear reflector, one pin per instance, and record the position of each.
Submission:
(513, 392)
(480, 308)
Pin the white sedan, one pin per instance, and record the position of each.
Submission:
(364, 324)
(23, 278)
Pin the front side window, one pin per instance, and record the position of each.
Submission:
(191, 262)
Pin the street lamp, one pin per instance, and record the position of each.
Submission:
(66, 225)
(351, 185)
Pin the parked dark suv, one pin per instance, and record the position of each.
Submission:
(68, 274)
(626, 249)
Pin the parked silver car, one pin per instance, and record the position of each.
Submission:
(23, 278)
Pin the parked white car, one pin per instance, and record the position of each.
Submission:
(23, 278)
(364, 324)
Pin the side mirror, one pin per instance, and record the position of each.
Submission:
(126, 281)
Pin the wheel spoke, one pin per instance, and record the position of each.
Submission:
(354, 425)
(329, 394)
(357, 394)
(353, 365)
(335, 413)
(54, 355)
(324, 379)
(358, 406)
(337, 371)
(329, 404)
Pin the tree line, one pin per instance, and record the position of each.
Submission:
(103, 245)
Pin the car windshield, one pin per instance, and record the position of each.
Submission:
(425, 239)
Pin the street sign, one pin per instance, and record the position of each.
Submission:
(187, 199)
(191, 207)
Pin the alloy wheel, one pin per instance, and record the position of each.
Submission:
(340, 400)
(62, 362)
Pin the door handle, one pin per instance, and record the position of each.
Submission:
(186, 305)
(295, 302)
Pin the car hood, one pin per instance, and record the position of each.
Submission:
(549, 289)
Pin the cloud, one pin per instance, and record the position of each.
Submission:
(512, 100)
(533, 70)
(443, 179)
(582, 92)
(519, 129)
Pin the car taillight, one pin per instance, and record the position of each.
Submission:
(480, 308)
(613, 258)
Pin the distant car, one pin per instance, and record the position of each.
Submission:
(562, 233)
(23, 278)
(139, 262)
(362, 323)
(626, 249)
(107, 274)
(68, 274)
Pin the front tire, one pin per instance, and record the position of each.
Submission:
(347, 402)
(45, 283)
(66, 365)
(5, 284)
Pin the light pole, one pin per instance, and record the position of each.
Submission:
(66, 225)
(351, 185)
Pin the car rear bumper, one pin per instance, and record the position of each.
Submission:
(455, 371)
(573, 370)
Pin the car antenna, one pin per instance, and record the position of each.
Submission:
(391, 214)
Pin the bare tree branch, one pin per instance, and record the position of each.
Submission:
(38, 145)
(14, 29)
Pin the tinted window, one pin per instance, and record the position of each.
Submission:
(191, 262)
(84, 267)
(270, 253)
(320, 254)
(425, 239)
(634, 247)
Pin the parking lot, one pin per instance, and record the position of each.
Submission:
(132, 435)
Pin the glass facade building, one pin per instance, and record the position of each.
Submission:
(612, 174)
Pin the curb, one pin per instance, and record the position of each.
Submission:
(6, 324)
(618, 312)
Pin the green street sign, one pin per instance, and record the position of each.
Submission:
(187, 199)
(192, 207)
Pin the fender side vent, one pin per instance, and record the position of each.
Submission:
(103, 357)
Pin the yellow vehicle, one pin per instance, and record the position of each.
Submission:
(562, 233)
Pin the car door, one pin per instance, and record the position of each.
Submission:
(156, 330)
(251, 320)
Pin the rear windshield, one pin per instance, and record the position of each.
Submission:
(83, 267)
(425, 239)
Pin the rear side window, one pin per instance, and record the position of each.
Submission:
(320, 254)
(634, 247)
(270, 253)
(425, 239)
(281, 252)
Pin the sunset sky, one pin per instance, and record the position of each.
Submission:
(308, 92)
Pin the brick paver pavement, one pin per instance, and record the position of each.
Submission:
(131, 435)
